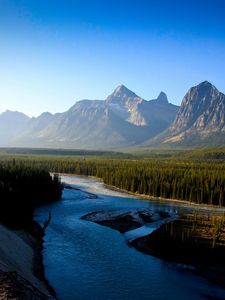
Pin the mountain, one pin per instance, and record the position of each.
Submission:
(29, 132)
(200, 120)
(11, 123)
(122, 119)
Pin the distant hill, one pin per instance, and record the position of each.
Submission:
(123, 119)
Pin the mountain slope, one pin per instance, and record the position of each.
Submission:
(11, 123)
(200, 120)
(30, 131)
(123, 119)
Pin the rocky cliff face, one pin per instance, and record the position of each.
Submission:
(203, 108)
(199, 121)
(125, 103)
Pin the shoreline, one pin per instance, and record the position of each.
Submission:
(176, 242)
(38, 262)
(166, 200)
(205, 207)
(90, 195)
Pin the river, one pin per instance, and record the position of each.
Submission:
(84, 260)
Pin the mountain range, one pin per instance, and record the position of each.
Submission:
(123, 119)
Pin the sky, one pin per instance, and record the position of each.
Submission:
(56, 52)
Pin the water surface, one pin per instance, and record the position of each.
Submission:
(84, 260)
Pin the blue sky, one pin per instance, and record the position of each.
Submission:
(53, 53)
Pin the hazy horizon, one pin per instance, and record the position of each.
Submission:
(54, 53)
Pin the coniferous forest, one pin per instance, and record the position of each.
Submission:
(201, 182)
(22, 189)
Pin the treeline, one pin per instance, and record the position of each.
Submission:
(62, 152)
(200, 182)
(22, 189)
(210, 154)
(216, 154)
(205, 154)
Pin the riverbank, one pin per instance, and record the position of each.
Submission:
(89, 195)
(21, 265)
(205, 207)
(193, 239)
(161, 199)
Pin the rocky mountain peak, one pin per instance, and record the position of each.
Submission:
(205, 83)
(202, 90)
(123, 90)
(199, 97)
(162, 98)
(14, 114)
(202, 115)
(121, 94)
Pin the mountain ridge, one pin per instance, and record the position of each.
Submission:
(122, 119)
(125, 119)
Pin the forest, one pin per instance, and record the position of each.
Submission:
(62, 152)
(22, 189)
(202, 181)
